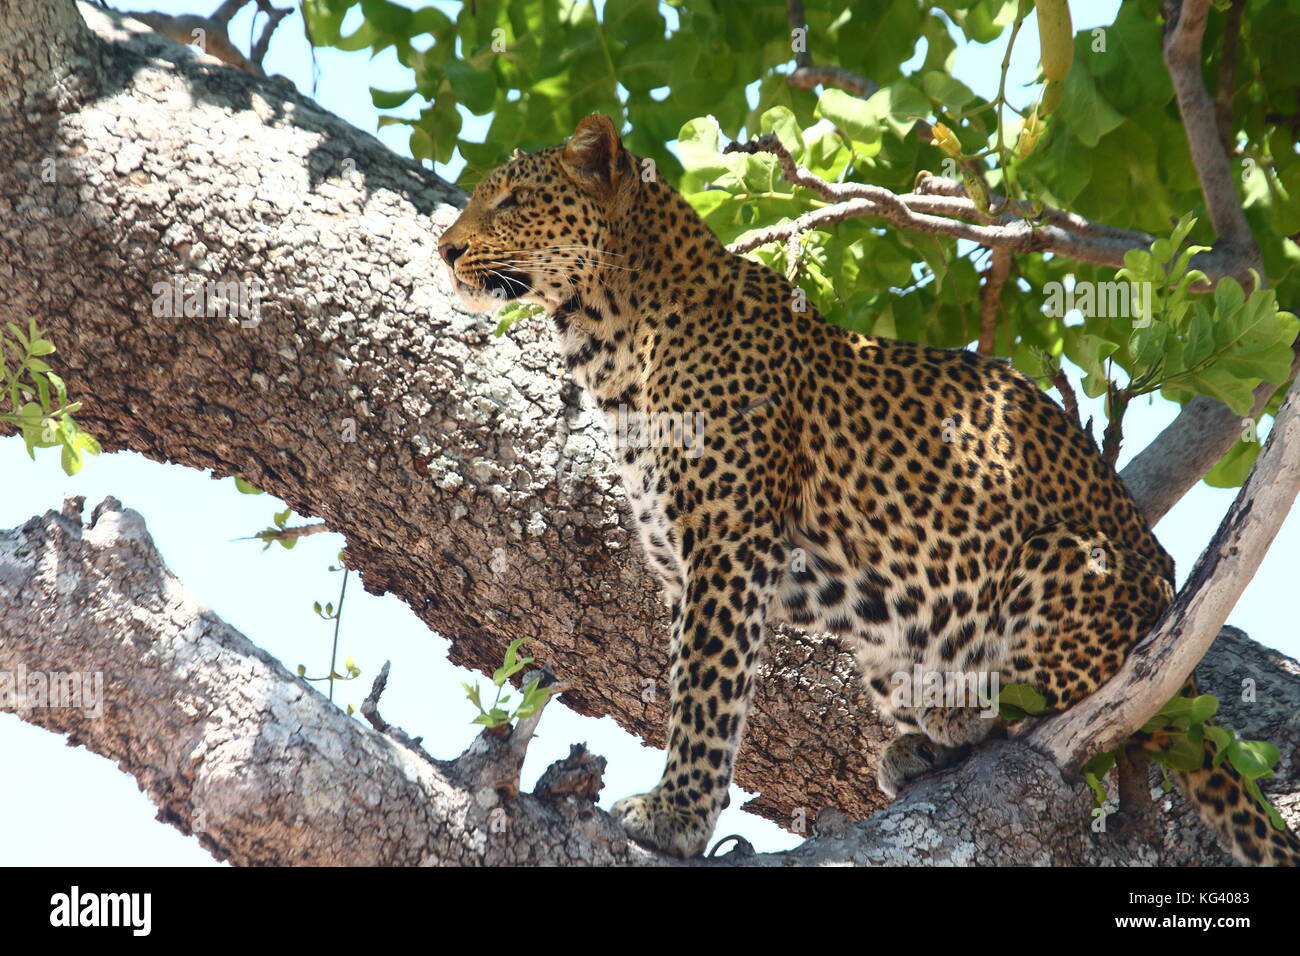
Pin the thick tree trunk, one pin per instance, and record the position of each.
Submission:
(467, 477)
(478, 488)
(264, 770)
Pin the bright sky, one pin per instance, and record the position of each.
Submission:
(78, 809)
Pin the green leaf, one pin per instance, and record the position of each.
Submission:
(1084, 110)
(697, 145)
(1023, 697)
(1231, 470)
(1219, 383)
(1183, 754)
(1228, 296)
(946, 89)
(87, 443)
(245, 488)
(71, 459)
(781, 121)
(1090, 352)
(389, 99)
(477, 89)
(854, 117)
(1253, 758)
(1093, 772)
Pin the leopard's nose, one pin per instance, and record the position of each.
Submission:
(450, 252)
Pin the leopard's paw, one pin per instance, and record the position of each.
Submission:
(907, 757)
(652, 820)
(957, 726)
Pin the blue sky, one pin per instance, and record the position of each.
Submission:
(79, 809)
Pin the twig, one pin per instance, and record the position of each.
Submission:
(1055, 231)
(807, 75)
(794, 16)
(1113, 437)
(370, 711)
(990, 293)
(286, 534)
(1068, 399)
(274, 16)
(214, 32)
(496, 756)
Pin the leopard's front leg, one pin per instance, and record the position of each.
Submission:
(717, 634)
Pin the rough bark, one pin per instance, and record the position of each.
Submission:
(264, 770)
(467, 478)
(477, 489)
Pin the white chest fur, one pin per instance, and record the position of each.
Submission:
(637, 467)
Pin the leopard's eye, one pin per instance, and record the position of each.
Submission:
(513, 198)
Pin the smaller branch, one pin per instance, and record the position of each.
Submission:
(1228, 75)
(370, 711)
(211, 33)
(928, 184)
(274, 16)
(1054, 231)
(286, 534)
(1113, 437)
(1157, 668)
(226, 12)
(1184, 31)
(990, 293)
(496, 756)
(795, 16)
(807, 76)
(1068, 399)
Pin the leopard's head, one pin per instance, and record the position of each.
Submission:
(538, 228)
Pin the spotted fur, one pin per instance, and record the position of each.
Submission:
(931, 507)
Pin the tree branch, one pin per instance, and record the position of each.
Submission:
(1228, 76)
(990, 294)
(1184, 29)
(473, 485)
(467, 477)
(228, 743)
(807, 75)
(1156, 668)
(212, 33)
(257, 764)
(1012, 230)
(1176, 459)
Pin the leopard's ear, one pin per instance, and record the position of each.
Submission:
(594, 154)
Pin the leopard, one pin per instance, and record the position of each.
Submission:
(933, 509)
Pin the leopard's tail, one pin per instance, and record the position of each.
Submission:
(1230, 810)
(1223, 801)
